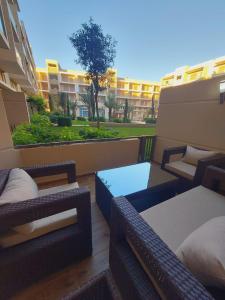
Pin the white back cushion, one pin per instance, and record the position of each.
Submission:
(193, 155)
(20, 187)
(203, 252)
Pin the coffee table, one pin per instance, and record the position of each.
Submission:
(143, 184)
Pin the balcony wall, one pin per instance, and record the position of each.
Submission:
(191, 114)
(89, 156)
(9, 157)
(16, 108)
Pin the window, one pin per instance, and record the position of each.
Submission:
(53, 77)
(2, 25)
(83, 112)
(52, 65)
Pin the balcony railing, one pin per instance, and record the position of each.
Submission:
(146, 148)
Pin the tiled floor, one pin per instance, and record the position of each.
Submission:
(61, 283)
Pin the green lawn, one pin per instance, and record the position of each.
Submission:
(136, 131)
(77, 122)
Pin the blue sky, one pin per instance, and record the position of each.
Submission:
(154, 37)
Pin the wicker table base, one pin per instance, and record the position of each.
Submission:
(101, 287)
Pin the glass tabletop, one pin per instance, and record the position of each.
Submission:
(134, 178)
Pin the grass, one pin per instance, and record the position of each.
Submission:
(134, 131)
(122, 131)
(77, 122)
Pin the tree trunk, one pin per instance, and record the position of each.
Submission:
(110, 114)
(153, 107)
(96, 104)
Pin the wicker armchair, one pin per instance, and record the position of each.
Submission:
(29, 261)
(194, 175)
(142, 265)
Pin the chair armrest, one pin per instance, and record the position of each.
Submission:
(171, 151)
(214, 178)
(19, 213)
(68, 167)
(168, 275)
(217, 160)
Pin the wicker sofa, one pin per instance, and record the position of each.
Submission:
(29, 260)
(142, 264)
(190, 175)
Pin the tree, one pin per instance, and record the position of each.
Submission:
(96, 53)
(73, 106)
(111, 104)
(88, 100)
(63, 102)
(127, 109)
(51, 102)
(153, 107)
(37, 104)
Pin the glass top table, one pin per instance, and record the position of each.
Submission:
(143, 184)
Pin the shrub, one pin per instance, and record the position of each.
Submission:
(150, 121)
(95, 133)
(117, 120)
(68, 134)
(54, 117)
(126, 120)
(22, 136)
(37, 103)
(101, 119)
(94, 119)
(41, 120)
(81, 119)
(64, 121)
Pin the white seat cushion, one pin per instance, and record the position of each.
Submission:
(51, 221)
(182, 169)
(19, 187)
(174, 219)
(58, 189)
(39, 228)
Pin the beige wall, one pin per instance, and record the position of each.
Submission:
(191, 114)
(9, 157)
(89, 157)
(16, 107)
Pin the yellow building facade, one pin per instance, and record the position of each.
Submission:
(53, 79)
(201, 71)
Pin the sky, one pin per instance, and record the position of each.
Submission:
(154, 36)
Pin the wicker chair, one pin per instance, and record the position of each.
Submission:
(189, 175)
(29, 261)
(142, 265)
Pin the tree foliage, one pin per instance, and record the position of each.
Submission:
(111, 104)
(88, 100)
(37, 104)
(95, 53)
(127, 109)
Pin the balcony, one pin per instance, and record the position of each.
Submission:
(182, 120)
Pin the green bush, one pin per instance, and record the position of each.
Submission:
(41, 120)
(150, 121)
(95, 133)
(94, 119)
(126, 120)
(81, 119)
(117, 120)
(64, 121)
(22, 136)
(37, 103)
(54, 117)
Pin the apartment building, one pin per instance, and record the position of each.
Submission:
(200, 71)
(53, 79)
(17, 67)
